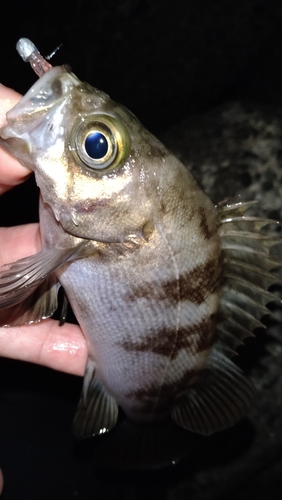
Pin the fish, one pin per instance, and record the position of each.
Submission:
(164, 284)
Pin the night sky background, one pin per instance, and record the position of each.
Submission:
(165, 61)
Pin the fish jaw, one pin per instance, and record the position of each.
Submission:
(25, 118)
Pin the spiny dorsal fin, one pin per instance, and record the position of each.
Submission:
(233, 208)
(250, 269)
(97, 410)
(219, 399)
(248, 239)
(244, 223)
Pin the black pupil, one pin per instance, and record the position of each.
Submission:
(96, 145)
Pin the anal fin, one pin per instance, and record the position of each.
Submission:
(220, 398)
(97, 410)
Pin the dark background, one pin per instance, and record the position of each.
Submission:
(165, 61)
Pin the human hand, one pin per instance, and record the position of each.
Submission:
(45, 343)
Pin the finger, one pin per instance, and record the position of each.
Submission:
(18, 242)
(11, 171)
(59, 347)
(8, 99)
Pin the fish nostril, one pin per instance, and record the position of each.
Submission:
(56, 88)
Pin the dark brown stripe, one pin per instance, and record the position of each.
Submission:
(165, 396)
(169, 342)
(195, 285)
(206, 230)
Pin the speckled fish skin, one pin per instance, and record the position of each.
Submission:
(147, 292)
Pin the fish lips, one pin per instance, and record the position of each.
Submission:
(32, 123)
(54, 86)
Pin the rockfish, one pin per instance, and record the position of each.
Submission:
(164, 284)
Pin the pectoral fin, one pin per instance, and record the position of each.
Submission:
(97, 411)
(29, 287)
(19, 279)
(40, 304)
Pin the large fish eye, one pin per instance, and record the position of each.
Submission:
(100, 141)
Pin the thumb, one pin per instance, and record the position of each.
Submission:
(11, 171)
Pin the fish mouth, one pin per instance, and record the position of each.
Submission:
(45, 95)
